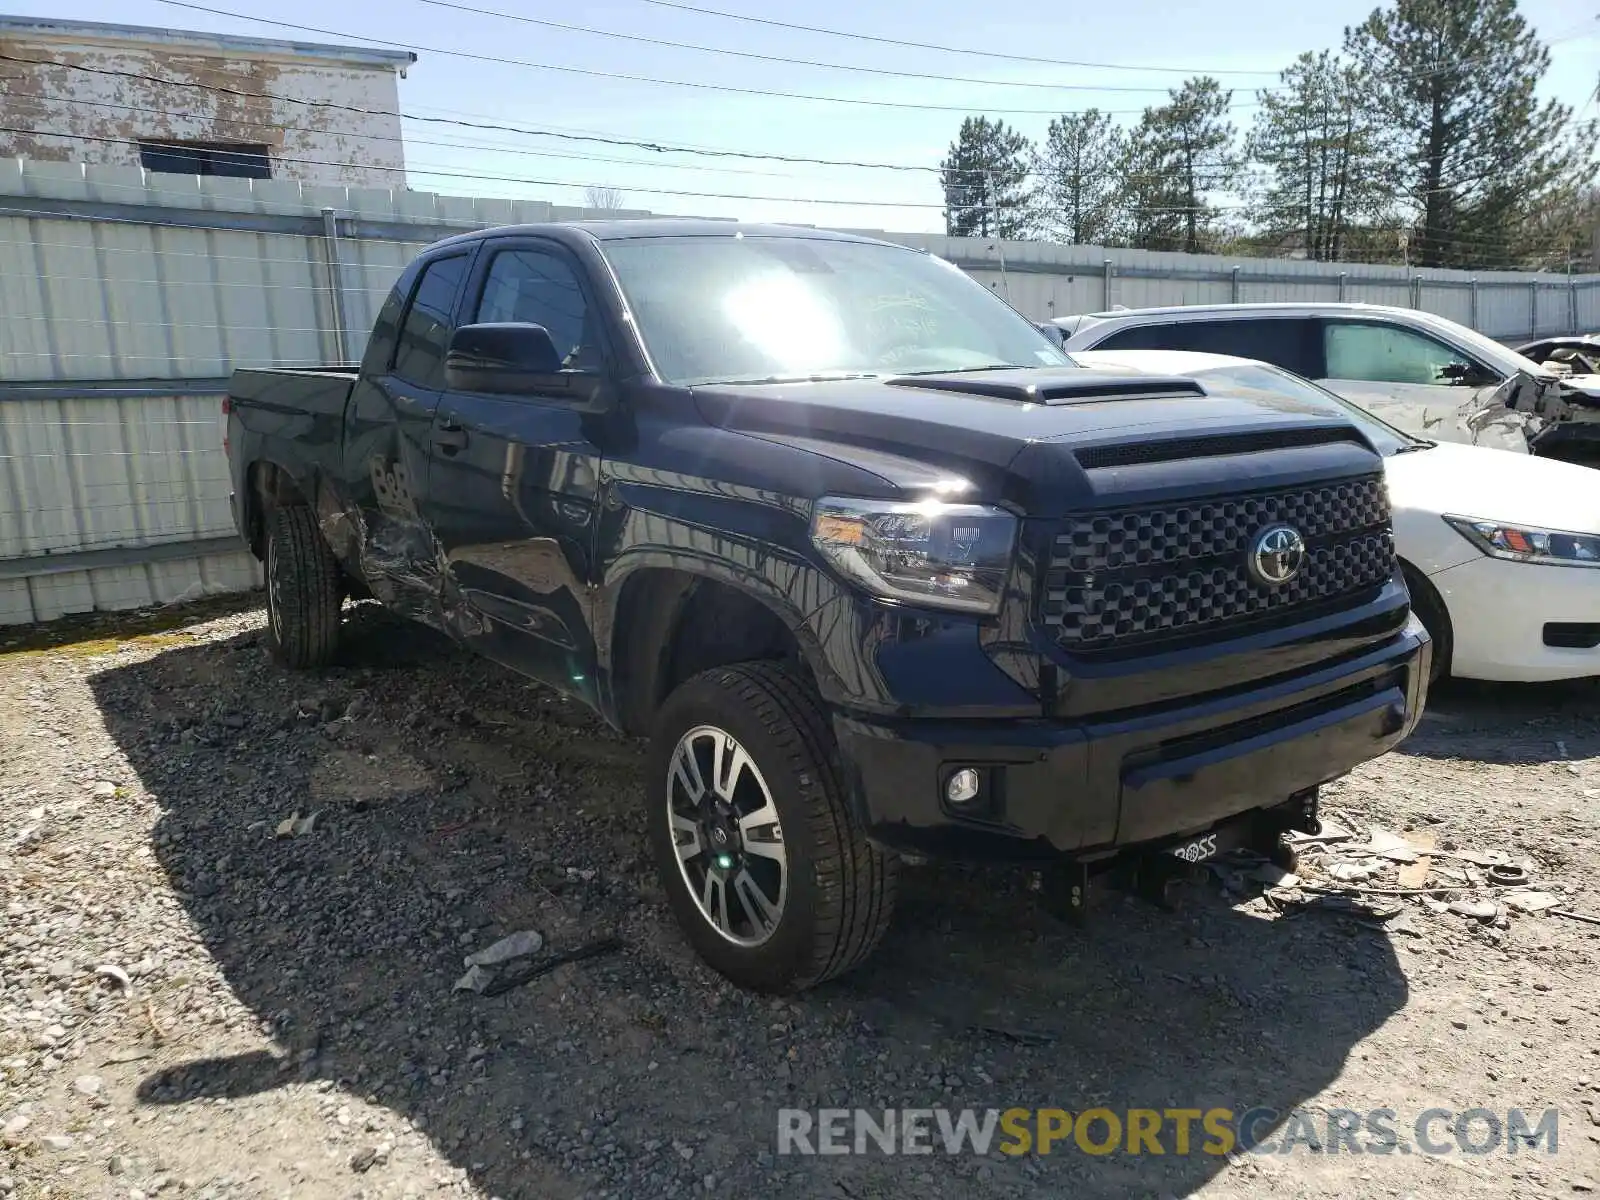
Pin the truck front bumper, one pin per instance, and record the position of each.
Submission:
(1049, 788)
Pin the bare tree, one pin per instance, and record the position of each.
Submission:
(607, 199)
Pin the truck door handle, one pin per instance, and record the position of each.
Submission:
(449, 437)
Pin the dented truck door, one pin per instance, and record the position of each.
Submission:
(388, 435)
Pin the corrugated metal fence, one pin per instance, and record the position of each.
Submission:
(126, 299)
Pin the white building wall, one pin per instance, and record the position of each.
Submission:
(345, 132)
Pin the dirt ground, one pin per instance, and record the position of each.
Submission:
(202, 994)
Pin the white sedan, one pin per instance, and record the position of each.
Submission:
(1501, 551)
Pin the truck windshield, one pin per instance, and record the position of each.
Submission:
(774, 309)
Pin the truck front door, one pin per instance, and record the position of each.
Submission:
(513, 482)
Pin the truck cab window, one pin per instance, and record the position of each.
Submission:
(425, 334)
(539, 288)
(1388, 354)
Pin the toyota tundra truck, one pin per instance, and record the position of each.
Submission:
(878, 572)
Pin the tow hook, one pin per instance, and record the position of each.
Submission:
(1064, 891)
(1153, 878)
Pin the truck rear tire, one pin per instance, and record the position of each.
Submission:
(304, 590)
(772, 880)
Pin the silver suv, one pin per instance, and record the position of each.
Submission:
(1421, 372)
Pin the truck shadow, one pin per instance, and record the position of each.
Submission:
(1511, 723)
(458, 803)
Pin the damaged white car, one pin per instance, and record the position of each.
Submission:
(1419, 372)
(1501, 551)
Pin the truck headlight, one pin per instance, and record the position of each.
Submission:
(1524, 543)
(927, 553)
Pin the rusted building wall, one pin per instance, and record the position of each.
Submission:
(94, 99)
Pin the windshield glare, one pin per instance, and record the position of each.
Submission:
(759, 309)
(1244, 379)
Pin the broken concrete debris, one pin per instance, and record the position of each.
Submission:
(1483, 910)
(1372, 880)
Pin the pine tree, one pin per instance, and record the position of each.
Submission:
(1468, 144)
(1081, 184)
(1180, 152)
(1315, 142)
(986, 189)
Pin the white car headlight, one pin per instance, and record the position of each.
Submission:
(1525, 543)
(931, 553)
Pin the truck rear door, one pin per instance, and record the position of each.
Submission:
(387, 441)
(513, 480)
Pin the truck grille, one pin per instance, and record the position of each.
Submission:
(1174, 570)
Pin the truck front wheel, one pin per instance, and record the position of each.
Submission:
(770, 877)
(304, 591)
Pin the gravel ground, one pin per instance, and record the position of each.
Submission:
(197, 999)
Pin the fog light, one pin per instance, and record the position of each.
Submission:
(962, 786)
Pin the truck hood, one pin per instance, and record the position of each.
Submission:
(1021, 435)
(1496, 485)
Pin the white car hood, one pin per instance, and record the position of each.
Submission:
(1496, 485)
(1589, 385)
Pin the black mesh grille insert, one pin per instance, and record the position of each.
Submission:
(1157, 572)
(1127, 454)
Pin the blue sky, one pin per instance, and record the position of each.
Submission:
(1248, 39)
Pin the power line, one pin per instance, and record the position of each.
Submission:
(1485, 245)
(564, 183)
(624, 77)
(784, 60)
(1459, 239)
(964, 51)
(969, 52)
(536, 132)
(658, 147)
(492, 148)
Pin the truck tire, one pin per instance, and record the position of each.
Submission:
(304, 591)
(769, 875)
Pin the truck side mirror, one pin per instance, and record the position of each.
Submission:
(513, 358)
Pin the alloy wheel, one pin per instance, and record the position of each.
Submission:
(727, 835)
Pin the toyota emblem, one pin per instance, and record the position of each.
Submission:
(1277, 556)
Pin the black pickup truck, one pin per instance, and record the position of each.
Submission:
(875, 568)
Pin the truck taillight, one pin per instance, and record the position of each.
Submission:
(227, 407)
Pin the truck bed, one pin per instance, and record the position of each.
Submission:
(287, 390)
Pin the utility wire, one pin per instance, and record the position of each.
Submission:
(1485, 245)
(964, 51)
(487, 125)
(1579, 33)
(624, 77)
(786, 60)
(487, 147)
(564, 183)
(1202, 180)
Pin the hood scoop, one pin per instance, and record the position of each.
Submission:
(1028, 386)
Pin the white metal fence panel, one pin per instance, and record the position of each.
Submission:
(127, 298)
